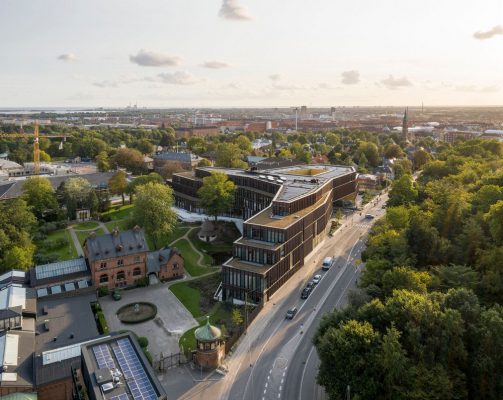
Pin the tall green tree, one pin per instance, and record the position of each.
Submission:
(217, 193)
(153, 211)
(118, 184)
(403, 191)
(102, 162)
(39, 195)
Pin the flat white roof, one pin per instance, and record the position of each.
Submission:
(65, 353)
(12, 296)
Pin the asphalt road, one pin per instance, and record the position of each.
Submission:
(283, 362)
(276, 359)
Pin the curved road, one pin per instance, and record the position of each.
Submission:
(276, 358)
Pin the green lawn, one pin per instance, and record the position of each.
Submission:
(123, 224)
(178, 232)
(84, 235)
(190, 257)
(63, 253)
(215, 247)
(119, 212)
(189, 296)
(86, 225)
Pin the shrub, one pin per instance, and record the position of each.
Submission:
(103, 291)
(102, 322)
(61, 224)
(143, 342)
(39, 236)
(105, 218)
(142, 282)
(48, 227)
(148, 355)
(41, 258)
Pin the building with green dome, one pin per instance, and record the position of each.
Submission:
(210, 349)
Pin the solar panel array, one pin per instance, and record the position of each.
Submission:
(136, 378)
(122, 396)
(103, 357)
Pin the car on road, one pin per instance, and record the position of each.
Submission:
(305, 293)
(327, 263)
(316, 279)
(291, 313)
(310, 285)
(369, 216)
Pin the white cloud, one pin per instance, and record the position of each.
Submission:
(214, 65)
(350, 77)
(177, 78)
(494, 31)
(147, 58)
(275, 77)
(395, 83)
(67, 57)
(231, 9)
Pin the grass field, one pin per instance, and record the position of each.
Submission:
(123, 224)
(189, 296)
(190, 257)
(177, 233)
(86, 225)
(120, 212)
(66, 252)
(85, 234)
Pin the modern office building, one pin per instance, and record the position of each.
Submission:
(286, 212)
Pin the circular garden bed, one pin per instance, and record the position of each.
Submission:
(135, 313)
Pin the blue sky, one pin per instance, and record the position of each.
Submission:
(234, 53)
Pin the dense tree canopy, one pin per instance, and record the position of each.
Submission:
(426, 321)
(40, 196)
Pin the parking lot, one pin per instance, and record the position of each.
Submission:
(172, 318)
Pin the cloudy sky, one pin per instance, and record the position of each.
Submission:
(233, 53)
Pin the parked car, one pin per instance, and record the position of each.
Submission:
(316, 279)
(305, 293)
(291, 313)
(369, 216)
(116, 295)
(310, 285)
(327, 263)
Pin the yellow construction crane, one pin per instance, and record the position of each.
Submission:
(36, 152)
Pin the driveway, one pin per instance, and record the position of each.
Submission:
(163, 332)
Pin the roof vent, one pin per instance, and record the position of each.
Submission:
(115, 232)
(72, 335)
(161, 257)
(118, 247)
(136, 228)
(92, 234)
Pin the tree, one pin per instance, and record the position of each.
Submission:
(16, 225)
(237, 317)
(494, 219)
(39, 195)
(204, 162)
(393, 151)
(402, 167)
(229, 155)
(217, 194)
(77, 193)
(244, 144)
(170, 168)
(371, 153)
(168, 138)
(142, 180)
(153, 211)
(403, 191)
(144, 146)
(103, 162)
(420, 158)
(44, 156)
(130, 159)
(118, 184)
(196, 144)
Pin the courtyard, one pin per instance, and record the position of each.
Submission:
(163, 332)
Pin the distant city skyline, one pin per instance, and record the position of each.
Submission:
(244, 53)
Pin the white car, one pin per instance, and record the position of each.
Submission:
(316, 279)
